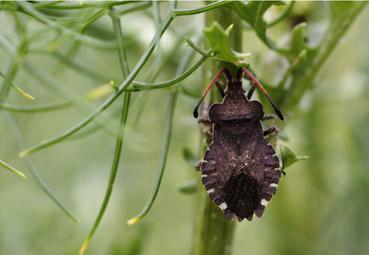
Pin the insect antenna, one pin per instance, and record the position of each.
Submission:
(208, 88)
(255, 82)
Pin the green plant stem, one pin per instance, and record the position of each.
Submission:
(135, 71)
(283, 15)
(213, 232)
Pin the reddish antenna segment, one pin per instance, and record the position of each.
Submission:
(255, 82)
(206, 91)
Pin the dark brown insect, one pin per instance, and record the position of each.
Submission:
(240, 169)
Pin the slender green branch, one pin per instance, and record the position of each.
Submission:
(121, 44)
(20, 143)
(18, 89)
(139, 86)
(70, 6)
(35, 108)
(113, 173)
(12, 169)
(196, 48)
(183, 12)
(283, 15)
(159, 177)
(119, 140)
(137, 7)
(13, 70)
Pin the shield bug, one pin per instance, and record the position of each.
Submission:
(240, 169)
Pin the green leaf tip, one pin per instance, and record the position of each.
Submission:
(218, 39)
(289, 157)
(133, 221)
(219, 42)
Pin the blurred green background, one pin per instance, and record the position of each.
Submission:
(321, 207)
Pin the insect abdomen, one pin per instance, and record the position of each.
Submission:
(242, 195)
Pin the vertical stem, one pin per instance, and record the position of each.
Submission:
(213, 232)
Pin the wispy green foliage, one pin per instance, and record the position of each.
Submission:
(309, 60)
(62, 30)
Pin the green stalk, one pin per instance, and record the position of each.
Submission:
(213, 232)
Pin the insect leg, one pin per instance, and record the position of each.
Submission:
(220, 87)
(268, 117)
(271, 130)
(250, 92)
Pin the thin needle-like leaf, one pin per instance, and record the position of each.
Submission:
(20, 143)
(139, 86)
(92, 95)
(12, 169)
(18, 89)
(13, 70)
(113, 173)
(119, 139)
(159, 177)
(35, 108)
